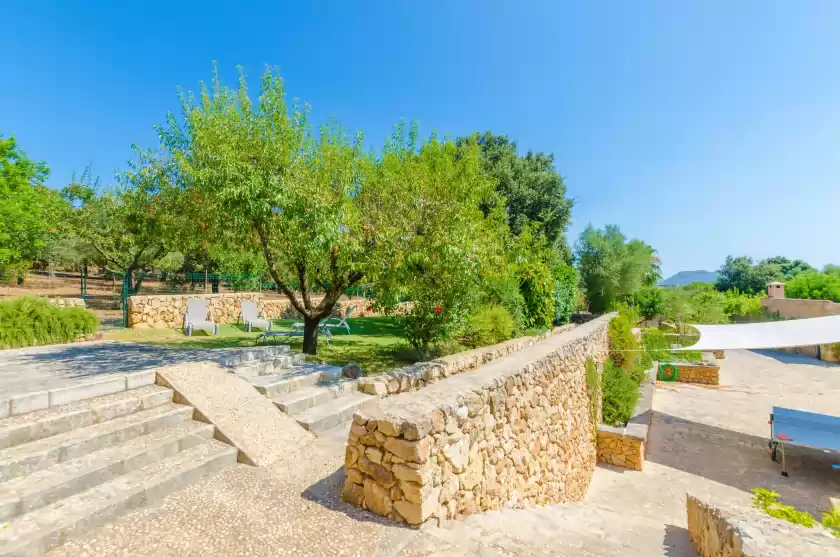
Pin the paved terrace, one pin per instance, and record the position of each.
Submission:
(707, 440)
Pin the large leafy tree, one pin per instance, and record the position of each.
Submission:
(533, 191)
(441, 245)
(788, 267)
(743, 274)
(260, 180)
(129, 228)
(612, 267)
(28, 209)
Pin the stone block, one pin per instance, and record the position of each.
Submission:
(418, 513)
(377, 498)
(29, 402)
(410, 451)
(100, 387)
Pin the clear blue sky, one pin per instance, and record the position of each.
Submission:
(705, 128)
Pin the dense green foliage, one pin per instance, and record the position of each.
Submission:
(566, 280)
(656, 347)
(620, 394)
(742, 274)
(489, 325)
(532, 190)
(613, 268)
(27, 208)
(650, 302)
(701, 303)
(129, 229)
(33, 321)
(539, 292)
(624, 348)
(813, 285)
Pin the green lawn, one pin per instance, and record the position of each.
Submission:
(376, 343)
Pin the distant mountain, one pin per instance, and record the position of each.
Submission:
(687, 277)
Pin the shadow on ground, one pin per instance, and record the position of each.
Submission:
(742, 461)
(327, 493)
(795, 359)
(677, 542)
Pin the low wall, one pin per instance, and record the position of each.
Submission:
(741, 531)
(706, 373)
(417, 376)
(167, 311)
(513, 433)
(68, 302)
(794, 308)
(625, 446)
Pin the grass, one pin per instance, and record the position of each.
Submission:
(376, 343)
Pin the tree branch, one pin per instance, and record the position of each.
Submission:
(304, 285)
(272, 270)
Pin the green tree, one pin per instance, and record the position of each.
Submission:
(613, 268)
(533, 191)
(813, 285)
(28, 209)
(650, 301)
(742, 274)
(789, 268)
(130, 228)
(441, 246)
(259, 180)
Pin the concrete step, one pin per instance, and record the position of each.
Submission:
(331, 414)
(43, 453)
(301, 400)
(27, 493)
(259, 368)
(36, 532)
(294, 379)
(29, 427)
(239, 356)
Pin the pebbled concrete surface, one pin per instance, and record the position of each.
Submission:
(706, 440)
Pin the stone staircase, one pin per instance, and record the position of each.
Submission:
(68, 468)
(317, 396)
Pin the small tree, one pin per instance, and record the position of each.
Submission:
(28, 209)
(129, 228)
(258, 179)
(613, 268)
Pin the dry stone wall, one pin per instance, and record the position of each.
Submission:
(742, 531)
(417, 376)
(706, 373)
(167, 311)
(513, 433)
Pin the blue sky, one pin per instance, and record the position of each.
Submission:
(705, 128)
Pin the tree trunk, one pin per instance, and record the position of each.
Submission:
(310, 334)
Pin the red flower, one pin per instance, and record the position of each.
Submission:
(438, 309)
(368, 308)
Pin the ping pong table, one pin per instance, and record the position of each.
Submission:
(797, 428)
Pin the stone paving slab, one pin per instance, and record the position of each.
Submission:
(42, 368)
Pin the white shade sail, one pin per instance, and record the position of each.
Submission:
(775, 334)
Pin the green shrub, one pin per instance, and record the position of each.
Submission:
(566, 279)
(506, 293)
(621, 391)
(737, 304)
(813, 285)
(538, 291)
(767, 501)
(831, 520)
(624, 348)
(33, 321)
(489, 325)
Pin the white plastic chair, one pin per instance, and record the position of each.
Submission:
(196, 318)
(251, 317)
(340, 321)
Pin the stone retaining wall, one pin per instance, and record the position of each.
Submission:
(417, 376)
(706, 373)
(68, 302)
(513, 433)
(742, 531)
(625, 446)
(167, 311)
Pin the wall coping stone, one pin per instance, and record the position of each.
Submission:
(417, 406)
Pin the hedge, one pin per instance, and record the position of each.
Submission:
(33, 321)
